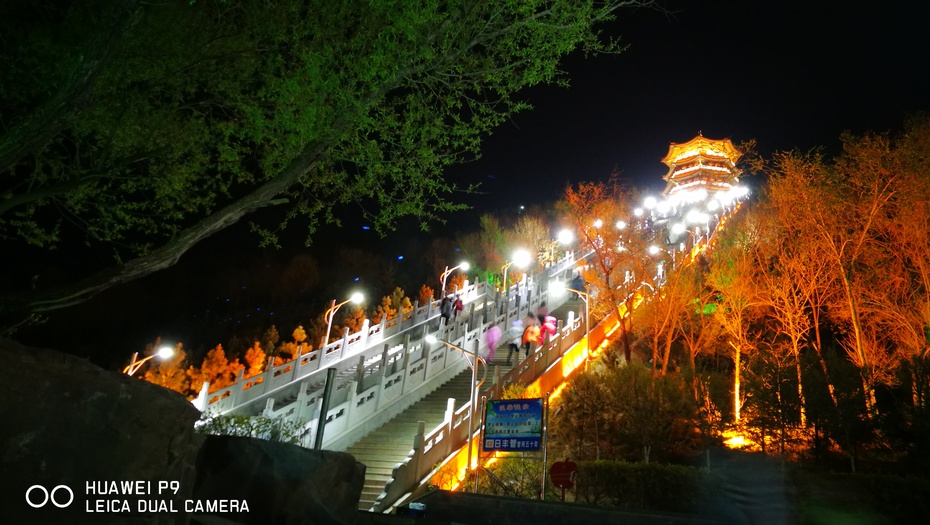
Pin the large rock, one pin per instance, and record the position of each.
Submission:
(72, 433)
(67, 422)
(280, 484)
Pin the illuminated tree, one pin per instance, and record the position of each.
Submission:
(384, 310)
(216, 369)
(290, 350)
(299, 335)
(699, 331)
(900, 303)
(790, 281)
(663, 311)
(270, 340)
(399, 300)
(144, 128)
(532, 233)
(839, 207)
(732, 277)
(456, 282)
(623, 262)
(353, 318)
(170, 373)
(425, 296)
(255, 360)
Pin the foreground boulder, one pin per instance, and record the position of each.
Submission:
(68, 422)
(282, 484)
(79, 444)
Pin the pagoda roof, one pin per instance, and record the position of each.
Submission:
(701, 146)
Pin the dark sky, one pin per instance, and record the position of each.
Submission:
(790, 74)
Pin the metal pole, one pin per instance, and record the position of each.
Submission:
(542, 494)
(587, 324)
(444, 275)
(321, 420)
(329, 323)
(483, 404)
(129, 370)
(471, 406)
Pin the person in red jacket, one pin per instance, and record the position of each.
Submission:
(457, 306)
(530, 338)
(548, 328)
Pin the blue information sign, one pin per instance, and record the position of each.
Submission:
(513, 425)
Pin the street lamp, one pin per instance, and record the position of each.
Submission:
(558, 288)
(564, 237)
(356, 298)
(164, 352)
(442, 277)
(431, 339)
(521, 258)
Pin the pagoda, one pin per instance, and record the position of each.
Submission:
(701, 164)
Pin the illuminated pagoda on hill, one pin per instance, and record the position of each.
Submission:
(702, 187)
(701, 164)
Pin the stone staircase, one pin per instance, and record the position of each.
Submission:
(384, 448)
(381, 450)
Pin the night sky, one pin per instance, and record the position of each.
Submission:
(788, 74)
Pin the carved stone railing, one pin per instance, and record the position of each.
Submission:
(430, 449)
(382, 369)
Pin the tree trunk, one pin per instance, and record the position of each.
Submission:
(627, 346)
(168, 254)
(736, 372)
(818, 347)
(857, 333)
(801, 400)
(666, 355)
(868, 392)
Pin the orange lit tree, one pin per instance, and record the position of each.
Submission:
(621, 264)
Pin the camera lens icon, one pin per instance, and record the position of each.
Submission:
(38, 496)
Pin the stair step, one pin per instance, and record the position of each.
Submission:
(379, 479)
(384, 448)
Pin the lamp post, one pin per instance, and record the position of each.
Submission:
(442, 277)
(474, 385)
(521, 258)
(564, 237)
(355, 298)
(163, 353)
(560, 288)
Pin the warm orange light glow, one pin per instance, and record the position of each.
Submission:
(701, 163)
(574, 357)
(703, 146)
(736, 440)
(571, 360)
(558, 390)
